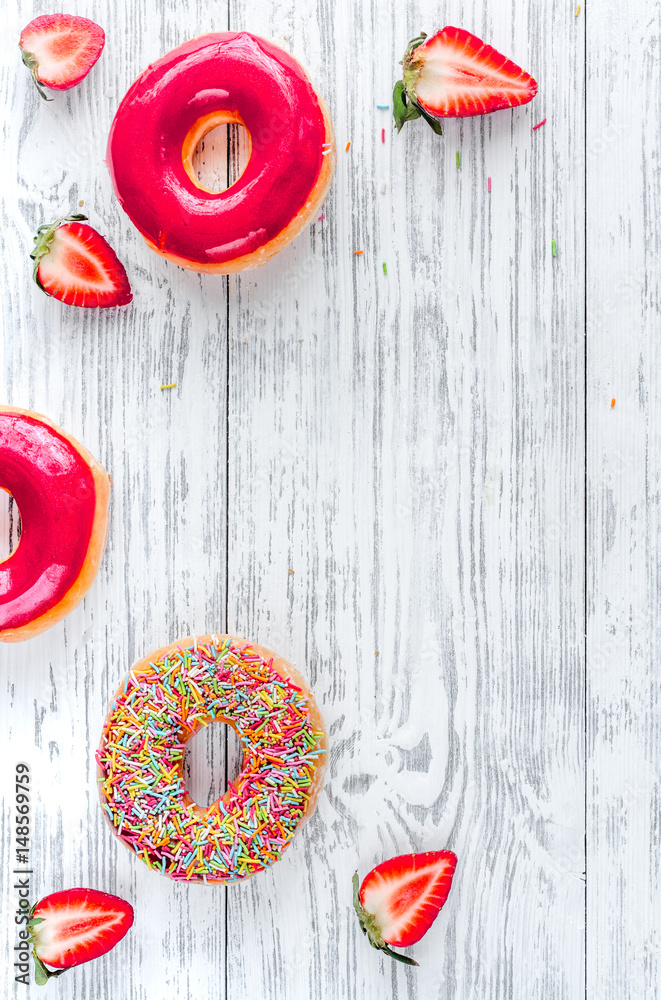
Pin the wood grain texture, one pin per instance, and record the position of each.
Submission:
(624, 526)
(422, 477)
(381, 476)
(163, 575)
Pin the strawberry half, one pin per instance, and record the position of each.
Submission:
(74, 264)
(60, 49)
(400, 899)
(71, 927)
(454, 74)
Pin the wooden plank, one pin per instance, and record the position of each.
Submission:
(163, 575)
(408, 444)
(624, 457)
(406, 496)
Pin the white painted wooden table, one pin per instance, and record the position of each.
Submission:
(414, 486)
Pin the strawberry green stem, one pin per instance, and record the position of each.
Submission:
(405, 107)
(413, 45)
(44, 238)
(30, 61)
(41, 973)
(371, 929)
(403, 110)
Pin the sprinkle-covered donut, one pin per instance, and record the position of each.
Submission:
(62, 495)
(165, 699)
(222, 78)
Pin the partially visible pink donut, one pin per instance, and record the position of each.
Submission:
(62, 494)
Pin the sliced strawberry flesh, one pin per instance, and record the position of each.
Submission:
(455, 75)
(64, 48)
(406, 893)
(81, 269)
(78, 925)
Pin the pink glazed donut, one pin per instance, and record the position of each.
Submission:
(62, 495)
(221, 78)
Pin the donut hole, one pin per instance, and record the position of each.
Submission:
(10, 525)
(213, 757)
(220, 157)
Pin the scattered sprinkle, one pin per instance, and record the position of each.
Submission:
(554, 248)
(383, 135)
(358, 252)
(612, 403)
(291, 571)
(321, 218)
(376, 652)
(489, 185)
(578, 10)
(172, 385)
(346, 148)
(458, 161)
(325, 152)
(385, 269)
(539, 124)
(383, 107)
(141, 756)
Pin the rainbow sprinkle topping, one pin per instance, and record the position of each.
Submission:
(159, 707)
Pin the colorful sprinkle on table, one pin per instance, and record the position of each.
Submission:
(358, 252)
(171, 385)
(612, 403)
(489, 185)
(321, 218)
(578, 10)
(458, 161)
(539, 124)
(383, 107)
(385, 269)
(383, 135)
(346, 148)
(554, 248)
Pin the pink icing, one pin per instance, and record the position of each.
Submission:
(226, 71)
(55, 492)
